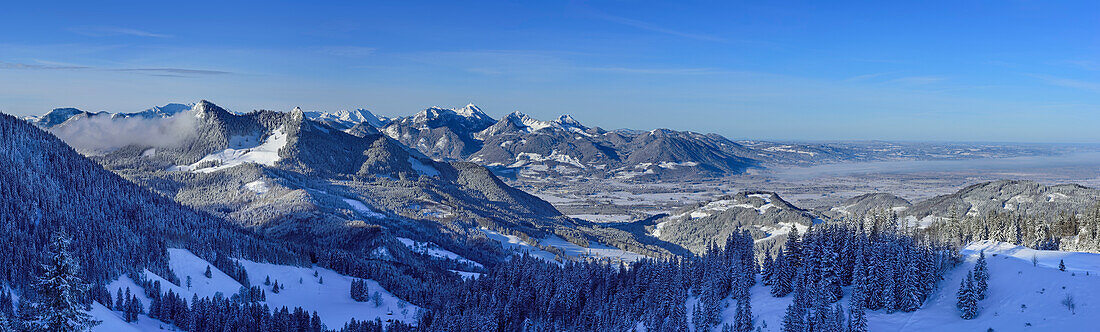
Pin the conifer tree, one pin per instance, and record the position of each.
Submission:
(1062, 265)
(766, 271)
(981, 276)
(967, 300)
(60, 289)
(743, 321)
(794, 319)
(120, 302)
(857, 318)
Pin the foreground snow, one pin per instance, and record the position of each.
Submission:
(1021, 297)
(328, 293)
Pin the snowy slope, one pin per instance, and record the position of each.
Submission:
(1019, 294)
(331, 299)
(112, 321)
(242, 149)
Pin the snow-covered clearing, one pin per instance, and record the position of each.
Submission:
(242, 149)
(112, 321)
(258, 186)
(572, 250)
(512, 242)
(424, 170)
(331, 299)
(434, 250)
(362, 208)
(782, 228)
(594, 250)
(726, 204)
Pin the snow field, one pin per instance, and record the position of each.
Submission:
(331, 299)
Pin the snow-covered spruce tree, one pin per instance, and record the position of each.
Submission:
(839, 322)
(794, 320)
(781, 280)
(59, 290)
(1062, 265)
(981, 276)
(766, 272)
(743, 321)
(830, 272)
(967, 300)
(857, 318)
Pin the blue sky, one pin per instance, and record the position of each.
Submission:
(1022, 71)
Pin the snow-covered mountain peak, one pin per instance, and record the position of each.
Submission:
(165, 111)
(203, 108)
(56, 116)
(470, 111)
(567, 119)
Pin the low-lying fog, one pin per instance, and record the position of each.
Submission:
(1082, 161)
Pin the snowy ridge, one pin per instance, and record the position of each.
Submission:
(347, 118)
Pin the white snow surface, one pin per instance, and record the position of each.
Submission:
(512, 242)
(242, 149)
(362, 208)
(331, 299)
(112, 321)
(434, 250)
(258, 186)
(423, 169)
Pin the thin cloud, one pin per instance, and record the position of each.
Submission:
(1085, 64)
(658, 71)
(1069, 83)
(919, 80)
(43, 65)
(178, 71)
(865, 77)
(647, 26)
(101, 31)
(31, 66)
(347, 51)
